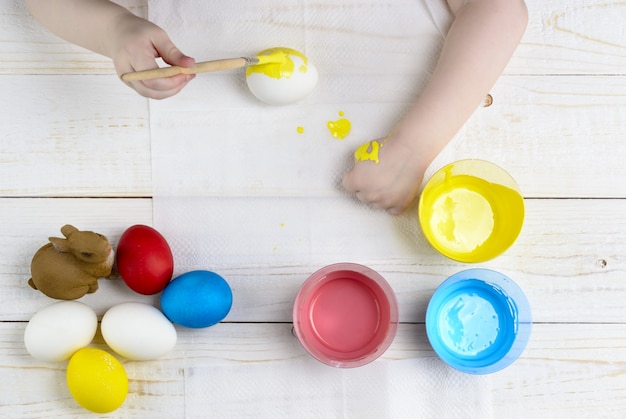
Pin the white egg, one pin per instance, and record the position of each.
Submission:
(282, 83)
(138, 331)
(55, 332)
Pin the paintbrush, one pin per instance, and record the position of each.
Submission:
(206, 66)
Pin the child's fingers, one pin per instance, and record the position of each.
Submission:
(165, 84)
(155, 88)
(170, 52)
(162, 88)
(173, 56)
(349, 182)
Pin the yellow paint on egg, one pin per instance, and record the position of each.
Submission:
(368, 151)
(282, 69)
(300, 130)
(339, 128)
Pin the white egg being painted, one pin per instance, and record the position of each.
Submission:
(285, 82)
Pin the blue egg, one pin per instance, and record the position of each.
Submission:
(197, 299)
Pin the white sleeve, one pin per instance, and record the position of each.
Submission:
(440, 14)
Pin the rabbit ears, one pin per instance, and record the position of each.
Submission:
(62, 245)
(68, 229)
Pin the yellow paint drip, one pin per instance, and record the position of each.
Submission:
(339, 128)
(281, 68)
(469, 219)
(368, 151)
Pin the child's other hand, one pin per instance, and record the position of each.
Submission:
(136, 45)
(392, 183)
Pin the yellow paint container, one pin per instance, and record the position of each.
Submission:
(471, 210)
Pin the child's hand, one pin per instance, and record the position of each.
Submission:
(389, 180)
(136, 44)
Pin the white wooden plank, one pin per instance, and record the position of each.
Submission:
(572, 37)
(73, 136)
(29, 48)
(567, 370)
(574, 370)
(569, 251)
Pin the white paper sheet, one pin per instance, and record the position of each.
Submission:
(236, 185)
(301, 388)
(228, 169)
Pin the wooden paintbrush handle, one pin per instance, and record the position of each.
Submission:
(202, 67)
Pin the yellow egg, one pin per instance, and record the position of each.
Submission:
(97, 380)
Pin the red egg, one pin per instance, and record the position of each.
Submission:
(144, 260)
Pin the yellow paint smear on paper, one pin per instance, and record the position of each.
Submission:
(339, 128)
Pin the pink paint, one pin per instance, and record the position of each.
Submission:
(345, 315)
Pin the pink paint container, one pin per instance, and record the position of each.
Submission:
(345, 315)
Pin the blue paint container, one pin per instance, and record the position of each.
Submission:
(478, 321)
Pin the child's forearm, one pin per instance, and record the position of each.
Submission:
(478, 46)
(87, 23)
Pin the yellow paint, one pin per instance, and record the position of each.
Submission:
(300, 130)
(470, 219)
(275, 57)
(339, 128)
(368, 151)
(462, 219)
(278, 69)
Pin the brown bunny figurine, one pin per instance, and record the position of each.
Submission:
(69, 268)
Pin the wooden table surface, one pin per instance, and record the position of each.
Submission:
(75, 147)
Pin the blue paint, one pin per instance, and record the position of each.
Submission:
(478, 321)
(197, 299)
